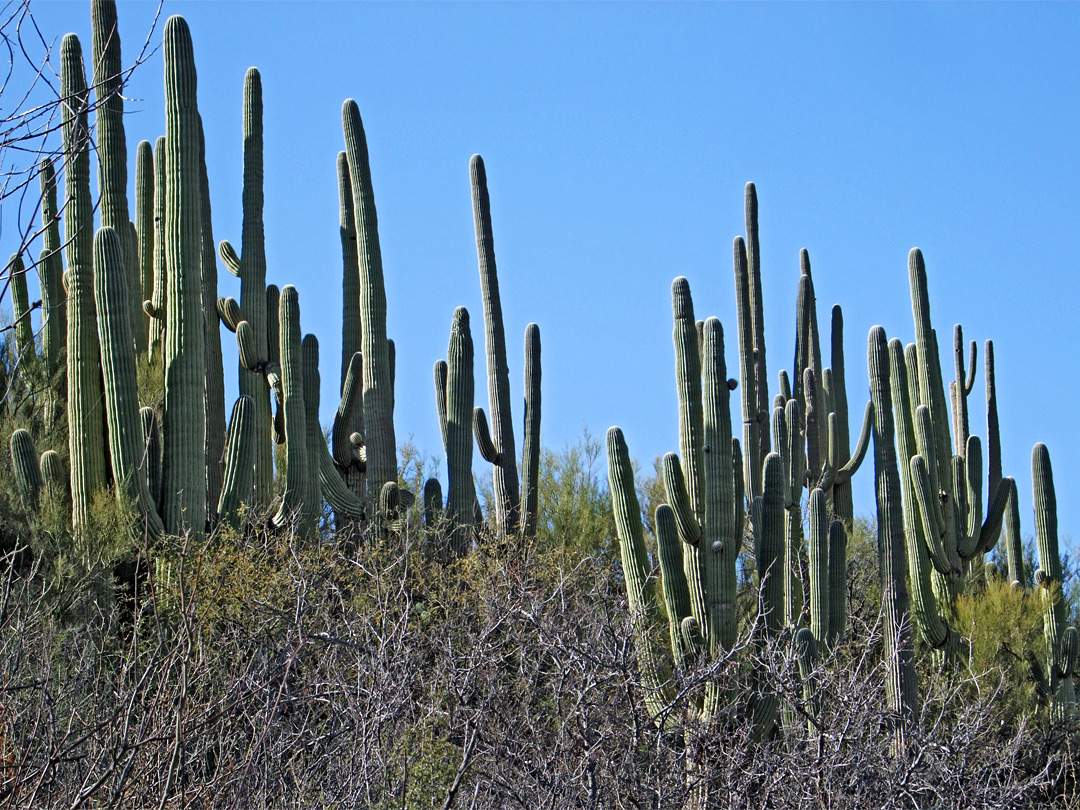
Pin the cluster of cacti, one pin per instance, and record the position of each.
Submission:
(141, 297)
(932, 529)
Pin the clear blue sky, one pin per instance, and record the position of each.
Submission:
(618, 138)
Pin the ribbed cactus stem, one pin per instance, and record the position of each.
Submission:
(640, 586)
(86, 413)
(688, 386)
(902, 689)
(144, 230)
(504, 475)
(928, 616)
(837, 584)
(747, 370)
(351, 393)
(433, 505)
(215, 373)
(24, 461)
(250, 265)
(111, 141)
(757, 311)
(184, 423)
(378, 385)
(55, 478)
(154, 306)
(817, 550)
(769, 541)
(296, 437)
(352, 336)
(675, 588)
(461, 493)
(1050, 580)
(51, 271)
(151, 437)
(316, 443)
(238, 484)
(842, 504)
(993, 430)
(20, 302)
(1013, 542)
(530, 467)
(117, 341)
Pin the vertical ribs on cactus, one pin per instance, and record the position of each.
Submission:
(51, 271)
(250, 266)
(184, 422)
(293, 498)
(457, 406)
(86, 417)
(378, 396)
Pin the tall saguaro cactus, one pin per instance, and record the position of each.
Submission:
(458, 398)
(504, 474)
(351, 330)
(250, 266)
(378, 378)
(184, 423)
(51, 271)
(86, 415)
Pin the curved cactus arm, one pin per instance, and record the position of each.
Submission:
(441, 371)
(640, 584)
(926, 498)
(530, 467)
(844, 473)
(25, 463)
(675, 588)
(341, 499)
(228, 310)
(995, 516)
(238, 483)
(229, 257)
(675, 487)
(484, 443)
(245, 345)
(351, 393)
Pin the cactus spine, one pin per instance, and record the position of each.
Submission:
(378, 378)
(184, 423)
(86, 434)
(504, 474)
(126, 444)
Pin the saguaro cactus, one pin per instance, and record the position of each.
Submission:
(154, 306)
(378, 378)
(51, 271)
(530, 467)
(144, 230)
(184, 423)
(24, 461)
(351, 330)
(296, 436)
(86, 414)
(504, 460)
(238, 484)
(458, 407)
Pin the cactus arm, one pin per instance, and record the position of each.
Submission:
(484, 443)
(341, 499)
(817, 549)
(838, 583)
(144, 231)
(675, 487)
(433, 504)
(846, 471)
(993, 430)
(20, 301)
(688, 386)
(229, 257)
(312, 508)
(1014, 548)
(675, 588)
(441, 371)
(154, 306)
(351, 393)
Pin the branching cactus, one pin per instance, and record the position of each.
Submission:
(1061, 642)
(378, 399)
(250, 266)
(184, 423)
(497, 447)
(86, 413)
